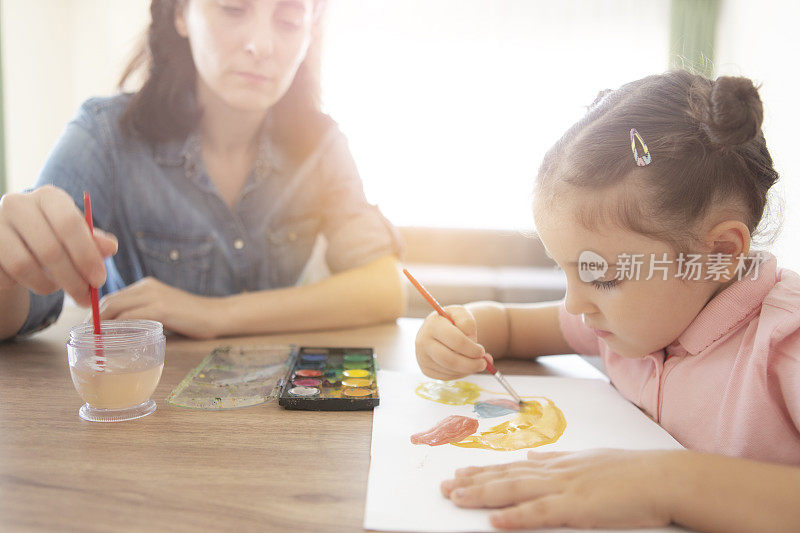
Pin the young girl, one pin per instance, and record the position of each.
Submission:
(672, 171)
(213, 182)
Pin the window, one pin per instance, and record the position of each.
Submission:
(450, 105)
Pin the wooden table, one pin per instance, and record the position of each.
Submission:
(259, 468)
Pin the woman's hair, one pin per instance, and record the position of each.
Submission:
(707, 150)
(165, 107)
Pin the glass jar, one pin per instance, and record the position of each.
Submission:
(116, 372)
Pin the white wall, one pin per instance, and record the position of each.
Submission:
(761, 40)
(56, 54)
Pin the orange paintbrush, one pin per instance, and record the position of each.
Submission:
(489, 366)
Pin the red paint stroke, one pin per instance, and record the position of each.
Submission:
(451, 429)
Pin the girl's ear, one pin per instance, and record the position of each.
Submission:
(729, 238)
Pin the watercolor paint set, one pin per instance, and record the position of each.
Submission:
(330, 379)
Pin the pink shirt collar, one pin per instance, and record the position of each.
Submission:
(729, 308)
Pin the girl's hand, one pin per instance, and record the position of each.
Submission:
(151, 299)
(46, 245)
(589, 489)
(445, 351)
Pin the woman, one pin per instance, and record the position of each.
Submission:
(211, 184)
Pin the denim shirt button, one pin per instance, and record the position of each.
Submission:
(238, 244)
(190, 169)
(174, 255)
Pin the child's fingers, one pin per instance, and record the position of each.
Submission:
(455, 339)
(463, 320)
(454, 361)
(545, 456)
(501, 492)
(485, 475)
(548, 511)
(432, 370)
(431, 367)
(555, 461)
(445, 352)
(471, 471)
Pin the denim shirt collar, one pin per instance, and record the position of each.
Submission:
(187, 153)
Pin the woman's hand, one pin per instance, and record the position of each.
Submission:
(179, 311)
(588, 489)
(445, 351)
(46, 245)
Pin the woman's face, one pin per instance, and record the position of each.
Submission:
(246, 51)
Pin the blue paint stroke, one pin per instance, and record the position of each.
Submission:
(492, 410)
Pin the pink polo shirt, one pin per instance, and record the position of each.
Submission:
(731, 383)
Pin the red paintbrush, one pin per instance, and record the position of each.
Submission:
(93, 295)
(87, 210)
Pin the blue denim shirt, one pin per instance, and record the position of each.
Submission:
(172, 223)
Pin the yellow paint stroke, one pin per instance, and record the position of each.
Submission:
(539, 421)
(449, 392)
(536, 425)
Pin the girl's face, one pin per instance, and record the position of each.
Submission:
(634, 317)
(246, 51)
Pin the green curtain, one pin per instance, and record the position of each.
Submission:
(693, 25)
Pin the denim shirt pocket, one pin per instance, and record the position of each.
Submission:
(291, 243)
(181, 261)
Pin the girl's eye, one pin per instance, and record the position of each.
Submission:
(605, 285)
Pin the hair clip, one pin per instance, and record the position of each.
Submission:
(645, 159)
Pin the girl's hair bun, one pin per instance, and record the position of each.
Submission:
(735, 111)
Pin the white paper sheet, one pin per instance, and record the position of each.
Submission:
(403, 492)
